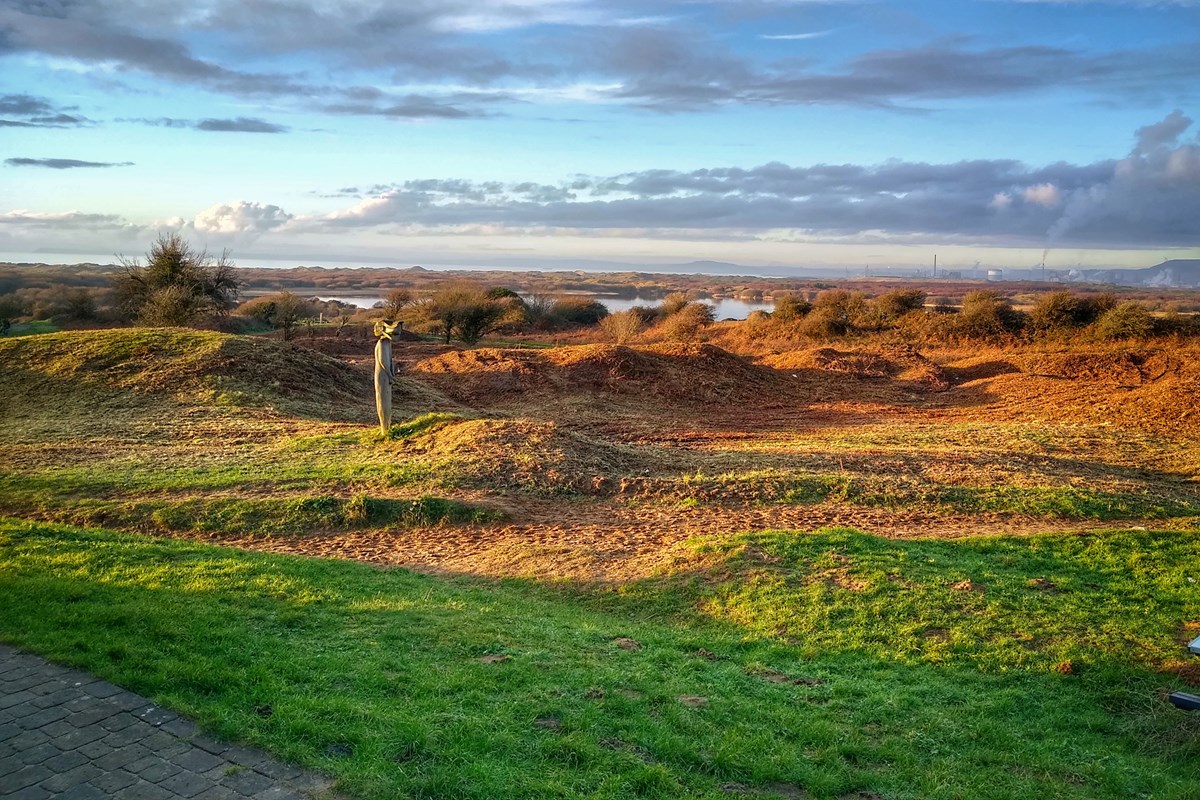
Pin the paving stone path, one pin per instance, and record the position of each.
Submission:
(67, 734)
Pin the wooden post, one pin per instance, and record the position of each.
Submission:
(385, 375)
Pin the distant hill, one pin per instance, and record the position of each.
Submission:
(1178, 272)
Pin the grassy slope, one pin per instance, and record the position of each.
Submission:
(832, 663)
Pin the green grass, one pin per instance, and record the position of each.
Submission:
(905, 492)
(33, 327)
(834, 663)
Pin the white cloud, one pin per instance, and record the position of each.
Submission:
(241, 217)
(1044, 194)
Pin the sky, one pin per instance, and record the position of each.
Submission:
(991, 133)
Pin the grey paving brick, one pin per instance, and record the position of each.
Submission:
(82, 792)
(122, 756)
(210, 745)
(156, 740)
(186, 784)
(66, 734)
(58, 697)
(278, 793)
(80, 702)
(104, 689)
(66, 761)
(94, 750)
(16, 696)
(28, 793)
(43, 716)
(219, 793)
(155, 715)
(92, 716)
(185, 729)
(127, 701)
(28, 739)
(61, 781)
(246, 756)
(113, 781)
(179, 748)
(27, 776)
(278, 771)
(119, 721)
(197, 760)
(144, 790)
(79, 737)
(36, 755)
(247, 781)
(127, 736)
(159, 771)
(60, 727)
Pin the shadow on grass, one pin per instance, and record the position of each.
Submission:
(409, 685)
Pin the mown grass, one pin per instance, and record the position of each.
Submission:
(257, 516)
(904, 492)
(833, 664)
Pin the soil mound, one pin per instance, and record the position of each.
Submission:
(1120, 368)
(1144, 389)
(537, 456)
(901, 363)
(683, 373)
(483, 375)
(186, 366)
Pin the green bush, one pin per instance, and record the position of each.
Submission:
(1128, 320)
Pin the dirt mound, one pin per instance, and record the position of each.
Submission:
(1148, 389)
(185, 366)
(1119, 368)
(537, 456)
(482, 375)
(978, 368)
(683, 373)
(901, 363)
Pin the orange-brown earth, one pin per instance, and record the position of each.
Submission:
(1120, 419)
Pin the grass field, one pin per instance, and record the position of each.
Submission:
(827, 664)
(607, 572)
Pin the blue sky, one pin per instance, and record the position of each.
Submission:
(548, 132)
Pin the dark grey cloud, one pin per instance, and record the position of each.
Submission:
(64, 163)
(240, 125)
(660, 55)
(1149, 198)
(28, 111)
(668, 74)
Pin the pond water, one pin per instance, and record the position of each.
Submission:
(724, 308)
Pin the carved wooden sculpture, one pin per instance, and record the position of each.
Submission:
(384, 374)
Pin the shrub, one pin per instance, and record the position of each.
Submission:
(986, 315)
(466, 311)
(1128, 320)
(578, 311)
(1056, 311)
(394, 302)
(623, 327)
(673, 303)
(177, 285)
(687, 324)
(894, 305)
(789, 307)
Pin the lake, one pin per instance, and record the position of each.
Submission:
(724, 308)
